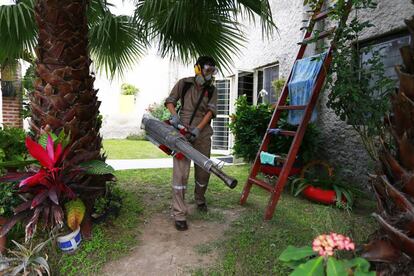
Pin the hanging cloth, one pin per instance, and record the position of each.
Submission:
(301, 85)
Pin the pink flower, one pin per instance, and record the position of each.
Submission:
(326, 245)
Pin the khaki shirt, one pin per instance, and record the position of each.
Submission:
(190, 101)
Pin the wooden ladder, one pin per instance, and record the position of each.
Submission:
(309, 37)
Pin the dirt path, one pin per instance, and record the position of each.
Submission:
(162, 250)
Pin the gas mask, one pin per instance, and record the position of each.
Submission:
(200, 80)
(208, 77)
(205, 74)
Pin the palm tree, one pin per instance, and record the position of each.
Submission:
(393, 247)
(68, 32)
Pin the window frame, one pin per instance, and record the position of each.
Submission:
(256, 79)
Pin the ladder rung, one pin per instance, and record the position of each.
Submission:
(278, 131)
(322, 15)
(291, 107)
(319, 36)
(261, 184)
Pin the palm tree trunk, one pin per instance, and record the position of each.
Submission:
(393, 248)
(64, 98)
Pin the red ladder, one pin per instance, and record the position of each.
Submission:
(281, 106)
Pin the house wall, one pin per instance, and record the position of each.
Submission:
(282, 46)
(341, 145)
(154, 76)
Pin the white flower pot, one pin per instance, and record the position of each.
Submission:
(70, 242)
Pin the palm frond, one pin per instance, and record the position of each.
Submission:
(185, 29)
(251, 9)
(115, 42)
(17, 30)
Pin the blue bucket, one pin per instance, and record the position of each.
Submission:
(70, 242)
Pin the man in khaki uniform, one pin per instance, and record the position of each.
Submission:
(198, 98)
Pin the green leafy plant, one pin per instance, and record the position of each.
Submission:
(8, 200)
(137, 136)
(25, 260)
(359, 89)
(320, 175)
(28, 85)
(12, 152)
(107, 205)
(277, 86)
(129, 89)
(248, 136)
(322, 258)
(12, 146)
(159, 111)
(100, 205)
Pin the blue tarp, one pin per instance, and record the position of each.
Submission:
(303, 78)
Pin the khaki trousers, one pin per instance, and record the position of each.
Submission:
(181, 171)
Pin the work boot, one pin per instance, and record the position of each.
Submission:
(181, 225)
(202, 207)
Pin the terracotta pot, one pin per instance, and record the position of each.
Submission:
(319, 195)
(3, 240)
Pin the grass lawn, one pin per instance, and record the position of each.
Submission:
(250, 247)
(131, 149)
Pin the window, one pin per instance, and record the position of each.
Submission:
(390, 51)
(7, 89)
(265, 77)
(245, 86)
(220, 140)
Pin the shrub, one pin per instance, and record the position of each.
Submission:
(137, 136)
(129, 89)
(12, 148)
(249, 135)
(8, 200)
(277, 86)
(159, 111)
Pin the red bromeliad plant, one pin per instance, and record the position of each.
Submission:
(46, 188)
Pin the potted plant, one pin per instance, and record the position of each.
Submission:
(25, 260)
(318, 183)
(75, 212)
(127, 98)
(54, 181)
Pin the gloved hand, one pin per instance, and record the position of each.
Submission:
(175, 121)
(195, 132)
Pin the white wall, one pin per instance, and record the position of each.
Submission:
(153, 76)
(282, 47)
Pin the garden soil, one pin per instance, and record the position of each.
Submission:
(162, 250)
